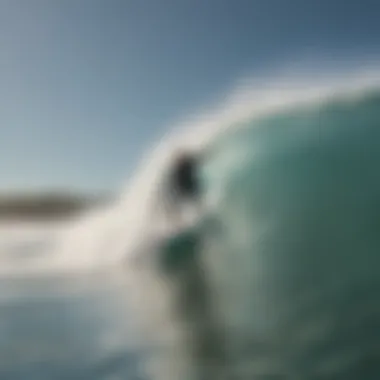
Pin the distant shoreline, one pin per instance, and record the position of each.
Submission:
(47, 206)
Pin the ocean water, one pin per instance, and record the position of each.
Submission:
(279, 278)
(66, 327)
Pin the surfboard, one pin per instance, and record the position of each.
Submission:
(186, 242)
(179, 245)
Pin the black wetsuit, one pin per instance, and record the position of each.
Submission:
(184, 177)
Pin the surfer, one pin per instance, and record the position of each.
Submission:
(183, 182)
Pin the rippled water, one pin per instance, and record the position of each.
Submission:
(66, 328)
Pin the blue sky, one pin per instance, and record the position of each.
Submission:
(86, 85)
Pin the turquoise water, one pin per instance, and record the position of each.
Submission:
(293, 267)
